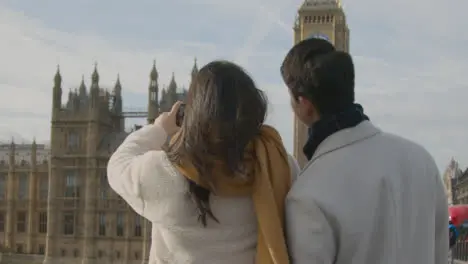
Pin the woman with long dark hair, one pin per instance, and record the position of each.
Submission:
(215, 191)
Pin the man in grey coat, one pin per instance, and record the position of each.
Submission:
(365, 196)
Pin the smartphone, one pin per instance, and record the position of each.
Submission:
(180, 115)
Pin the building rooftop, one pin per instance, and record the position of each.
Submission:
(320, 4)
(23, 153)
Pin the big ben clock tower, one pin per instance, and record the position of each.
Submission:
(320, 19)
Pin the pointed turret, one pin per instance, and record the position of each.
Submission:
(172, 88)
(194, 68)
(117, 105)
(76, 100)
(163, 101)
(172, 84)
(117, 98)
(82, 94)
(69, 104)
(153, 94)
(194, 71)
(94, 91)
(172, 91)
(163, 94)
(118, 86)
(57, 90)
(95, 75)
(82, 87)
(58, 77)
(154, 72)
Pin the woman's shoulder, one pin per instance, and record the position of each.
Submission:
(140, 172)
(159, 176)
(150, 178)
(163, 189)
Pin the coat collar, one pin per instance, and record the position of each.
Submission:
(344, 138)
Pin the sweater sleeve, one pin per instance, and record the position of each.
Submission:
(137, 164)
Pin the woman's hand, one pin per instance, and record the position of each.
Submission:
(168, 119)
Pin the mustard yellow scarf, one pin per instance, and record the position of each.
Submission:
(268, 187)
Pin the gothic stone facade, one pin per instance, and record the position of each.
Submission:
(323, 19)
(24, 171)
(459, 186)
(451, 177)
(55, 201)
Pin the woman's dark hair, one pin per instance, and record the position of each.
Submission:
(224, 112)
(315, 70)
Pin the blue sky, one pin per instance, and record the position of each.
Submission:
(410, 57)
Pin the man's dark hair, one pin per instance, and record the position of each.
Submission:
(314, 70)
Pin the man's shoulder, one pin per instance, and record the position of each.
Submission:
(383, 152)
(407, 147)
(399, 152)
(383, 145)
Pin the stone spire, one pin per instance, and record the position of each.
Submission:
(94, 91)
(58, 77)
(194, 68)
(118, 86)
(57, 90)
(95, 75)
(70, 102)
(82, 86)
(117, 98)
(172, 91)
(153, 95)
(163, 93)
(172, 85)
(154, 73)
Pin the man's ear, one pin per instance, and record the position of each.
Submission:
(308, 110)
(306, 105)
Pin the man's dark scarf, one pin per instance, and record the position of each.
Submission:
(330, 124)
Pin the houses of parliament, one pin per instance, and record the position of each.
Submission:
(55, 203)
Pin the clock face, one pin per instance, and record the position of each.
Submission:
(319, 36)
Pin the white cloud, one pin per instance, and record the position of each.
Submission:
(33, 50)
(410, 59)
